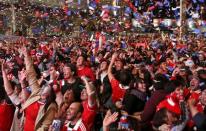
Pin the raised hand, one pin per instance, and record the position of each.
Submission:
(115, 55)
(24, 51)
(110, 118)
(3, 64)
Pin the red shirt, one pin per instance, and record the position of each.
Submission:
(80, 126)
(89, 114)
(117, 92)
(86, 71)
(31, 113)
(6, 116)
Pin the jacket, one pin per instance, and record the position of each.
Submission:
(44, 118)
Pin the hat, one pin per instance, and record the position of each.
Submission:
(170, 105)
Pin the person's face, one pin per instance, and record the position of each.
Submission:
(194, 83)
(11, 65)
(141, 86)
(103, 66)
(73, 112)
(182, 73)
(201, 57)
(67, 72)
(179, 91)
(118, 65)
(159, 51)
(149, 53)
(84, 95)
(73, 59)
(135, 71)
(80, 61)
(55, 88)
(52, 68)
(203, 97)
(45, 93)
(69, 96)
(100, 56)
(203, 76)
(23, 96)
(17, 90)
(171, 118)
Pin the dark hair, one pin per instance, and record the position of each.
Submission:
(50, 99)
(72, 67)
(170, 86)
(161, 81)
(134, 83)
(159, 118)
(125, 77)
(84, 56)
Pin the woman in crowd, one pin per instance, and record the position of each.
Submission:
(40, 107)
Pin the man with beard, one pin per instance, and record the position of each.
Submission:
(74, 118)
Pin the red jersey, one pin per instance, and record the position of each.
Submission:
(6, 116)
(86, 71)
(80, 126)
(198, 105)
(31, 113)
(89, 114)
(117, 92)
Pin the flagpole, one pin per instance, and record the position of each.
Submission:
(13, 18)
(182, 18)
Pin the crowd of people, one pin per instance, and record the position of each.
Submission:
(133, 83)
(108, 77)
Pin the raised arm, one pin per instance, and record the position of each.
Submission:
(90, 92)
(31, 74)
(110, 75)
(7, 85)
(198, 117)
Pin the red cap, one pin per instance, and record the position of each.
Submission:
(170, 105)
